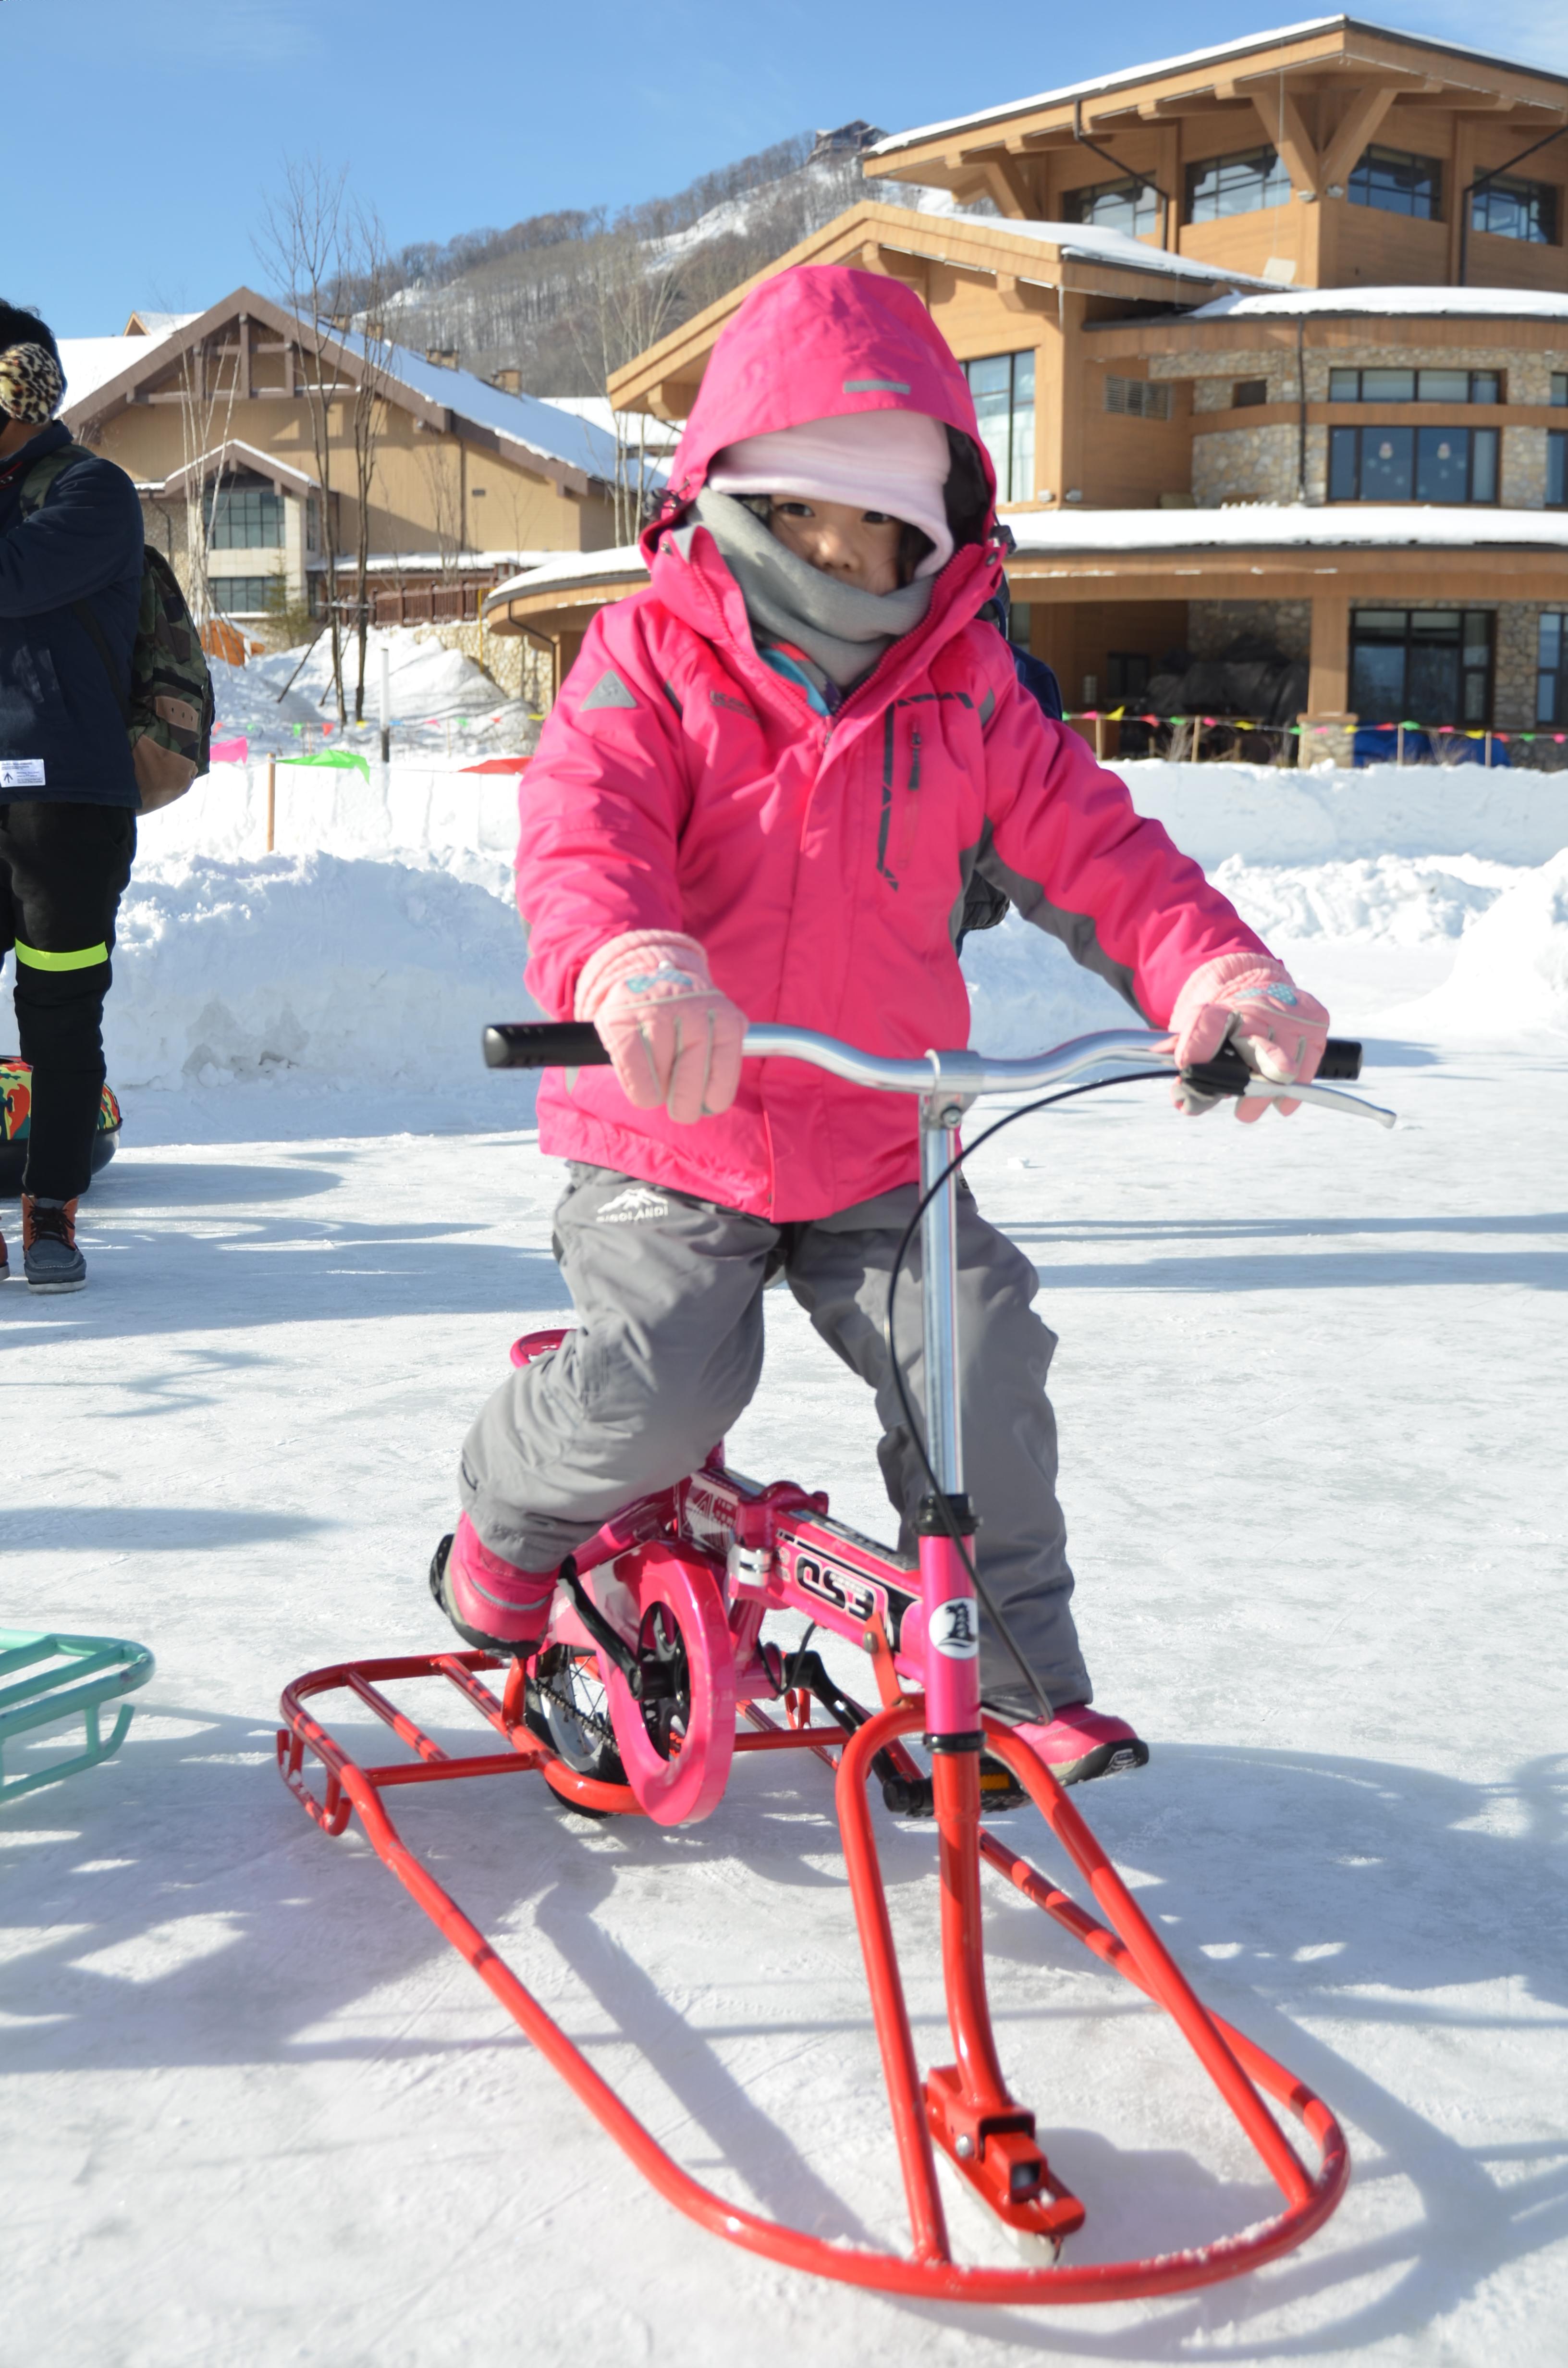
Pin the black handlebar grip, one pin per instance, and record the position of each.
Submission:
(1227, 1072)
(1341, 1063)
(544, 1044)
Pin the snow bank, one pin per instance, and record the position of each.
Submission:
(429, 817)
(1510, 977)
(1268, 814)
(239, 970)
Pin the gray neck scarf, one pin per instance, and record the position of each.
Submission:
(840, 627)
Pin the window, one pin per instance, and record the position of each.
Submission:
(1131, 206)
(1003, 388)
(1559, 390)
(1557, 468)
(1397, 184)
(1552, 670)
(1248, 391)
(1126, 675)
(1020, 621)
(1403, 464)
(244, 596)
(1414, 386)
(1235, 185)
(1422, 665)
(242, 516)
(1526, 210)
(1138, 398)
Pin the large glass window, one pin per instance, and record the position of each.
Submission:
(1422, 665)
(1552, 669)
(1235, 185)
(1420, 464)
(1414, 386)
(1526, 210)
(1131, 206)
(1003, 388)
(244, 596)
(1396, 183)
(1556, 469)
(243, 517)
(1559, 390)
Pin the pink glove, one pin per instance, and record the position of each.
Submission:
(1250, 1001)
(672, 1035)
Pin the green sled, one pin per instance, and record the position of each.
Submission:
(47, 1679)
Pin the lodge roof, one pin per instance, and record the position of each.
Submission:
(1219, 53)
(102, 373)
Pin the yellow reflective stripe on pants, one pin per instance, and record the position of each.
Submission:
(83, 958)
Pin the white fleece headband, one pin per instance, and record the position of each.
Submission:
(891, 461)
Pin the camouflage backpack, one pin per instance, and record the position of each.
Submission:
(169, 713)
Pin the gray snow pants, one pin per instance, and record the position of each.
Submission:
(668, 1351)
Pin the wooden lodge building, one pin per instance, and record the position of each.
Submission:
(469, 481)
(1268, 341)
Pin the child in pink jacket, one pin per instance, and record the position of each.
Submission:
(762, 795)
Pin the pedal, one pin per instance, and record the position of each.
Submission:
(997, 2155)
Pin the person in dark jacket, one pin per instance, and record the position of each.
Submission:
(68, 791)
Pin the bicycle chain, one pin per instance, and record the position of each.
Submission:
(569, 1703)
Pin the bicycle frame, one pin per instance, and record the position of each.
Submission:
(715, 1554)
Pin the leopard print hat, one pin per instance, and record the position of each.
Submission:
(31, 384)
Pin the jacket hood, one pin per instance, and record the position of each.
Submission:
(818, 342)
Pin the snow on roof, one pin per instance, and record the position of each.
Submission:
(1258, 525)
(91, 362)
(1531, 303)
(1129, 74)
(659, 434)
(547, 428)
(566, 567)
(1093, 244)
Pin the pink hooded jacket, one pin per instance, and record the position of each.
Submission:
(822, 861)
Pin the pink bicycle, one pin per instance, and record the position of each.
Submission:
(654, 1676)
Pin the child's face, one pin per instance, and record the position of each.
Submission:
(859, 547)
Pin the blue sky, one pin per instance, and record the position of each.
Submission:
(147, 138)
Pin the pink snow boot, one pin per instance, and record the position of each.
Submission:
(1080, 1743)
(491, 1604)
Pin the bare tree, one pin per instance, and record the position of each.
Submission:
(441, 469)
(632, 298)
(370, 272)
(302, 243)
(202, 397)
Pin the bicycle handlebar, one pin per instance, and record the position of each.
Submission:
(574, 1045)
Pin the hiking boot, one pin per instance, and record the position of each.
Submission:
(51, 1260)
(491, 1604)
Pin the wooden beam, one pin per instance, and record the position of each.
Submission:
(1282, 120)
(1008, 186)
(1358, 124)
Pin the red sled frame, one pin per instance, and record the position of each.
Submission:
(969, 2102)
(709, 1559)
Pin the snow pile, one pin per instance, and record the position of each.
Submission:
(441, 701)
(432, 817)
(1269, 815)
(1510, 978)
(1391, 900)
(1026, 991)
(241, 970)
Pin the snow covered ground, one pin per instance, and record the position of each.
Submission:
(1310, 1388)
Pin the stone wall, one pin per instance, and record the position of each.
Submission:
(1258, 464)
(1214, 625)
